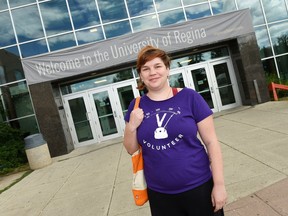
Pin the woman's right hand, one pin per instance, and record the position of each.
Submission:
(136, 117)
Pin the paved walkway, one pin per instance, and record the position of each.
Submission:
(96, 180)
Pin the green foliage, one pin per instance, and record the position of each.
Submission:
(12, 151)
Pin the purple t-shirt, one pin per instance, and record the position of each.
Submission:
(174, 158)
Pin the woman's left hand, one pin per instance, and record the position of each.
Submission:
(219, 197)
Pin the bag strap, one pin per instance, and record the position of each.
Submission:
(137, 102)
(175, 91)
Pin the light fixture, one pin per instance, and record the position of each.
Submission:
(100, 81)
(93, 30)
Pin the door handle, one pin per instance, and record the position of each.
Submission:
(212, 89)
(115, 114)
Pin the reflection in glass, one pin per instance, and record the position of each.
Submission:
(188, 2)
(137, 8)
(126, 95)
(256, 10)
(61, 42)
(279, 37)
(176, 80)
(33, 48)
(197, 11)
(270, 69)
(112, 10)
(3, 5)
(89, 35)
(10, 72)
(16, 100)
(282, 63)
(27, 125)
(55, 17)
(223, 6)
(6, 30)
(167, 4)
(201, 85)
(14, 50)
(105, 113)
(80, 119)
(27, 23)
(117, 29)
(224, 84)
(263, 41)
(171, 17)
(279, 13)
(199, 57)
(15, 3)
(143, 23)
(84, 13)
(97, 82)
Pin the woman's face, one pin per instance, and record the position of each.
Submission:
(154, 74)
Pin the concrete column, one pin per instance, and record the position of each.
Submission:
(252, 71)
(48, 118)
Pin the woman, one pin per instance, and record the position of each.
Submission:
(182, 177)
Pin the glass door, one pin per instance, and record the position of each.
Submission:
(103, 109)
(111, 104)
(225, 85)
(202, 83)
(125, 93)
(79, 118)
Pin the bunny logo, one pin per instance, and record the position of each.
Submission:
(160, 132)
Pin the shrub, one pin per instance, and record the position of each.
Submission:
(12, 151)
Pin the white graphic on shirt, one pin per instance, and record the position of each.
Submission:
(163, 117)
(160, 132)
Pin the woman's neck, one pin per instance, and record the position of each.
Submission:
(160, 95)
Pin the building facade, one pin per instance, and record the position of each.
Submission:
(67, 67)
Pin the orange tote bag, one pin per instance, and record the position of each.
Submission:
(139, 186)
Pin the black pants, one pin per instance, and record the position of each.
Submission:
(195, 202)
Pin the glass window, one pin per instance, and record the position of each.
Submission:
(282, 63)
(14, 50)
(143, 23)
(97, 82)
(10, 72)
(279, 13)
(89, 35)
(117, 29)
(112, 10)
(167, 4)
(55, 17)
(27, 125)
(6, 30)
(198, 11)
(171, 17)
(61, 42)
(3, 5)
(279, 37)
(256, 11)
(33, 48)
(270, 70)
(27, 23)
(15, 3)
(16, 100)
(223, 6)
(84, 13)
(188, 2)
(137, 8)
(199, 57)
(263, 42)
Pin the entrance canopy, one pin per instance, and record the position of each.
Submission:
(111, 52)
